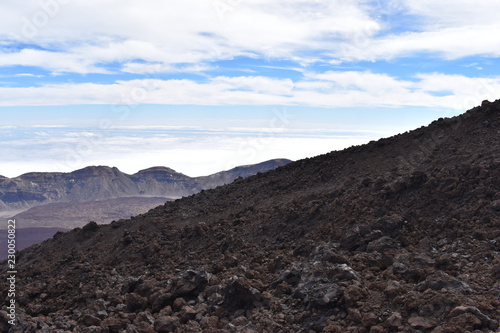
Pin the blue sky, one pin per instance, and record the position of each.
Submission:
(202, 86)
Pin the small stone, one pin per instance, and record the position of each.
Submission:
(166, 324)
(370, 319)
(209, 322)
(284, 288)
(377, 329)
(392, 289)
(495, 272)
(136, 302)
(240, 321)
(166, 311)
(120, 307)
(344, 272)
(382, 244)
(102, 314)
(485, 320)
(495, 205)
(421, 323)
(89, 320)
(395, 321)
(354, 294)
(114, 324)
(333, 328)
(467, 322)
(131, 329)
(144, 317)
(187, 313)
(354, 315)
(178, 304)
(291, 277)
(240, 295)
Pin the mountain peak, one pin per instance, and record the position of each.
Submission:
(157, 169)
(95, 171)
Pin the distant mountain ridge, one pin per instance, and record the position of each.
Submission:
(96, 183)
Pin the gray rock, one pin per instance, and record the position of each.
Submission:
(421, 323)
(486, 321)
(166, 324)
(89, 320)
(240, 295)
(382, 244)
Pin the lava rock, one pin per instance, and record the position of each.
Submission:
(240, 295)
(166, 324)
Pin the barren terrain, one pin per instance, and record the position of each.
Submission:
(399, 235)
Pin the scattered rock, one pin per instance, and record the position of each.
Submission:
(240, 295)
(292, 277)
(370, 319)
(382, 244)
(89, 320)
(114, 325)
(395, 321)
(421, 323)
(166, 324)
(486, 322)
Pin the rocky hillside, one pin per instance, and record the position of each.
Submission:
(96, 183)
(399, 235)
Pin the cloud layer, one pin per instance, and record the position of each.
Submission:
(327, 89)
(201, 152)
(133, 48)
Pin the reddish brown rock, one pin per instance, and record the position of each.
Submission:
(421, 323)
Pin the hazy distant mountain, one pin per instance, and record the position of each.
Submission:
(99, 184)
(226, 177)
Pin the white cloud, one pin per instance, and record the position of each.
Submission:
(28, 75)
(202, 154)
(448, 29)
(464, 92)
(46, 126)
(450, 43)
(84, 34)
(364, 81)
(457, 13)
(256, 84)
(52, 61)
(330, 89)
(155, 36)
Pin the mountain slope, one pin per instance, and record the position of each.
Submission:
(226, 177)
(399, 235)
(70, 215)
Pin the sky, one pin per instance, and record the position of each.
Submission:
(202, 86)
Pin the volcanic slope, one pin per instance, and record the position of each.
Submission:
(398, 235)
